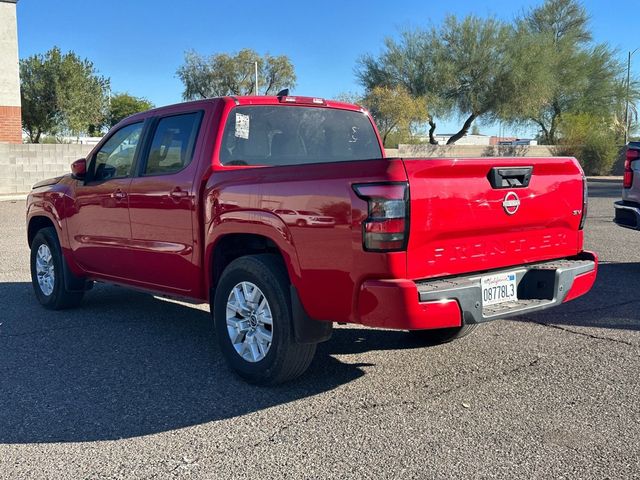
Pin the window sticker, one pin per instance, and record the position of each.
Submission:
(242, 126)
(354, 135)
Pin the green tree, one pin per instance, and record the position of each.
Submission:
(61, 93)
(40, 112)
(123, 105)
(394, 110)
(580, 135)
(409, 63)
(469, 68)
(580, 78)
(223, 74)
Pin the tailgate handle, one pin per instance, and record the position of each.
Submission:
(511, 177)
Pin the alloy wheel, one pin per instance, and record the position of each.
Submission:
(249, 322)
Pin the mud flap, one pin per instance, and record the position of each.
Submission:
(306, 329)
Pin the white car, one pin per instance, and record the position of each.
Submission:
(305, 218)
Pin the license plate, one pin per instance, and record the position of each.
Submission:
(499, 288)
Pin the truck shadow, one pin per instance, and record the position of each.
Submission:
(126, 364)
(613, 302)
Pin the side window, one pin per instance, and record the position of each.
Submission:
(173, 144)
(115, 158)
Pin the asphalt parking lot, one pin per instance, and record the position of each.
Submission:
(132, 386)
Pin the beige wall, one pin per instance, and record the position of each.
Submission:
(461, 151)
(23, 165)
(9, 79)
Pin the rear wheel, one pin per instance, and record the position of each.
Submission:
(48, 273)
(252, 314)
(442, 335)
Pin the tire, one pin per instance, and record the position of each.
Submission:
(442, 335)
(241, 321)
(301, 223)
(50, 288)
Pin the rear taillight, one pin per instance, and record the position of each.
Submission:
(632, 155)
(386, 228)
(585, 201)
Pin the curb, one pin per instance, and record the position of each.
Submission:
(13, 198)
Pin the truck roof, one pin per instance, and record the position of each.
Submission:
(255, 100)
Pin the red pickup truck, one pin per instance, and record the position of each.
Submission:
(284, 214)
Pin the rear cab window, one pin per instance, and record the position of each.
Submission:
(264, 135)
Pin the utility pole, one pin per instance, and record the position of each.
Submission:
(256, 92)
(626, 110)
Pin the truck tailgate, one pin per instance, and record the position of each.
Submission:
(476, 214)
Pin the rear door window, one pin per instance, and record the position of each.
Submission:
(291, 135)
(173, 144)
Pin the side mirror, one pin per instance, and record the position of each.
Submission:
(79, 169)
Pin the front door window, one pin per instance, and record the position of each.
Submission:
(115, 157)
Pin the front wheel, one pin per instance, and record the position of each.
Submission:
(253, 321)
(442, 335)
(47, 272)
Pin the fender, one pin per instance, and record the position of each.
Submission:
(253, 222)
(51, 206)
(44, 205)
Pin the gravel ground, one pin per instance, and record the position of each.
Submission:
(132, 386)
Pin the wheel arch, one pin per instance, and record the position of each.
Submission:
(39, 221)
(227, 246)
(248, 231)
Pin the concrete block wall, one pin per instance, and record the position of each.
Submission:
(461, 151)
(22, 165)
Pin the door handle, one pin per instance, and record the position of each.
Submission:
(119, 195)
(177, 193)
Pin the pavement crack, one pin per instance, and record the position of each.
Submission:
(584, 334)
(283, 428)
(271, 438)
(524, 366)
(485, 378)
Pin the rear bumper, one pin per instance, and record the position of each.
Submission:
(443, 303)
(627, 214)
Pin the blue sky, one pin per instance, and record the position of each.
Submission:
(140, 44)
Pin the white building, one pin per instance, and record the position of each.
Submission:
(10, 104)
(480, 140)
